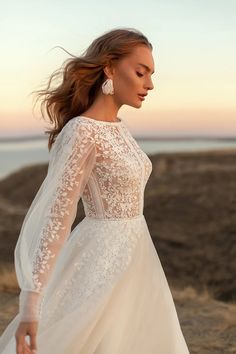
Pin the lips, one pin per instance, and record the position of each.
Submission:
(141, 97)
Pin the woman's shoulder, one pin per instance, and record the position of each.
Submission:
(78, 127)
(74, 133)
(75, 130)
(77, 122)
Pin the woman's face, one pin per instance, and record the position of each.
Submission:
(132, 77)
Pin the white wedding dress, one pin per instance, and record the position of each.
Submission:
(100, 288)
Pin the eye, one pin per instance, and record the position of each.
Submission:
(139, 74)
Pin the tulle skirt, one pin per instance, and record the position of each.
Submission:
(108, 294)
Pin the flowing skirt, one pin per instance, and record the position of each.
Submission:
(108, 294)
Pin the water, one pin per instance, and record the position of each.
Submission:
(14, 155)
(17, 154)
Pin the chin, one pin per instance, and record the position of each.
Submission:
(139, 105)
(136, 104)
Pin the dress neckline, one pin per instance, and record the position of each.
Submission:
(101, 121)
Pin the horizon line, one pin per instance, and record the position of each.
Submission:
(4, 139)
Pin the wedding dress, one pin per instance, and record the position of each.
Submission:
(100, 288)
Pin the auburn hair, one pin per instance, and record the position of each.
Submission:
(82, 77)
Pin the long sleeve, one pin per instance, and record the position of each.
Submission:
(48, 221)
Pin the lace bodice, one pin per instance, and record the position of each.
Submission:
(97, 161)
(116, 186)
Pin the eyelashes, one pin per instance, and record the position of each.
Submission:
(139, 74)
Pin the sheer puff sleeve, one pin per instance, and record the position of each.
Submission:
(48, 221)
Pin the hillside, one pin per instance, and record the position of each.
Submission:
(190, 208)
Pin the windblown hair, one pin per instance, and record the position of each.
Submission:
(82, 77)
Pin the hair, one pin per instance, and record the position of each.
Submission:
(82, 77)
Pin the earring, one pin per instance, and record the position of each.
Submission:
(107, 87)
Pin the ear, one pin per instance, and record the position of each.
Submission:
(109, 71)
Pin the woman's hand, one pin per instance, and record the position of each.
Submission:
(24, 329)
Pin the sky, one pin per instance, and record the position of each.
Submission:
(194, 51)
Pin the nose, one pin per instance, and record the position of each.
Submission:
(149, 85)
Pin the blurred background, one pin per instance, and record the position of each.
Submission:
(187, 126)
(194, 80)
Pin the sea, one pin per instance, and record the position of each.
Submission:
(17, 153)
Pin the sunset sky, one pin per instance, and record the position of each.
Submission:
(194, 49)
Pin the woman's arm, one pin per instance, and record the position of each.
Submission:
(48, 221)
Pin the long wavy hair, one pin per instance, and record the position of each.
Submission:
(82, 77)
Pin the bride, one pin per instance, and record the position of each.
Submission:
(99, 288)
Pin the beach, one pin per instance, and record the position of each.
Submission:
(190, 208)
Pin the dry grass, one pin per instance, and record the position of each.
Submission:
(8, 280)
(209, 325)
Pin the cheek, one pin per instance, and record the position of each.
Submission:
(126, 83)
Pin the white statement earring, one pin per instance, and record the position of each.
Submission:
(107, 87)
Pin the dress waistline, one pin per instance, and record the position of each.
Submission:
(94, 218)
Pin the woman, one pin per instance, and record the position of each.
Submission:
(100, 288)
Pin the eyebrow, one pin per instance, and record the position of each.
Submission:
(146, 67)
